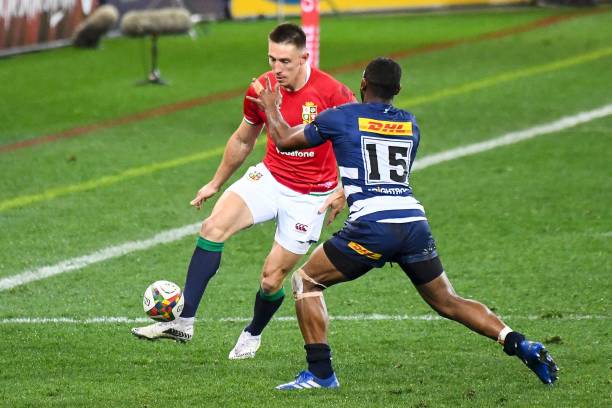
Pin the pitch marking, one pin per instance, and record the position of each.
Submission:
(106, 181)
(179, 233)
(163, 237)
(358, 65)
(358, 317)
(25, 200)
(506, 77)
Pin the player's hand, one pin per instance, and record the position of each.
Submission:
(268, 98)
(336, 203)
(204, 194)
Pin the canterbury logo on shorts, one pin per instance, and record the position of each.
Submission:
(301, 227)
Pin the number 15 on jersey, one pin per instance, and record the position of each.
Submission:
(386, 161)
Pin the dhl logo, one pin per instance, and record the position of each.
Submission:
(385, 128)
(364, 251)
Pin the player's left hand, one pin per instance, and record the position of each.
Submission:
(336, 203)
(204, 194)
(268, 98)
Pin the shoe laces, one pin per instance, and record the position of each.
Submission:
(246, 338)
(303, 376)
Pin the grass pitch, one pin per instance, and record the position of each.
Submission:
(523, 228)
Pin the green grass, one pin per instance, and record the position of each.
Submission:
(54, 90)
(524, 228)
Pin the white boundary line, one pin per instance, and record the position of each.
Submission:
(163, 237)
(513, 137)
(176, 234)
(357, 317)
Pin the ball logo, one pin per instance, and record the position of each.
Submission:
(167, 289)
(301, 227)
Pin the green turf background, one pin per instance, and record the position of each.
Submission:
(523, 228)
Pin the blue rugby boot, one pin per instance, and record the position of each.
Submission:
(307, 380)
(536, 357)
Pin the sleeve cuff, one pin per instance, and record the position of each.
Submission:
(312, 135)
(250, 122)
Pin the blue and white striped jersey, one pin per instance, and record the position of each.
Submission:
(375, 145)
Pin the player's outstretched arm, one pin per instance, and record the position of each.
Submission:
(238, 147)
(285, 137)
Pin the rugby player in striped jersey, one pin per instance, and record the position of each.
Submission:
(375, 145)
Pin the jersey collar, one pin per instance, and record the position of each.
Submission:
(308, 72)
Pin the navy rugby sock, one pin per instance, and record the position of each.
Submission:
(204, 263)
(265, 307)
(513, 339)
(318, 356)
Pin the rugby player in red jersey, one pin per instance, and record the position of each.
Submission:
(289, 187)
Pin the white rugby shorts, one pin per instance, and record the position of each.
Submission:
(298, 222)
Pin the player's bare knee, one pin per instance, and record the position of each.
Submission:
(272, 278)
(303, 286)
(211, 231)
(272, 283)
(310, 287)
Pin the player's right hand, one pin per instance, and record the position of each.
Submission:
(203, 194)
(336, 202)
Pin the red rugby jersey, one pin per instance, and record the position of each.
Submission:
(310, 170)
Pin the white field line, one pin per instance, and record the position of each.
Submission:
(357, 317)
(513, 137)
(98, 256)
(179, 233)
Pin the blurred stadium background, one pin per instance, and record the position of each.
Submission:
(27, 25)
(97, 173)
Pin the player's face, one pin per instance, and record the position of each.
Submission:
(287, 63)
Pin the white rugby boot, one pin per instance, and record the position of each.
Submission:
(246, 346)
(180, 330)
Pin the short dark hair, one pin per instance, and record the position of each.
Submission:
(288, 33)
(383, 76)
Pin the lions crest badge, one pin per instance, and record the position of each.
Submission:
(255, 175)
(309, 112)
